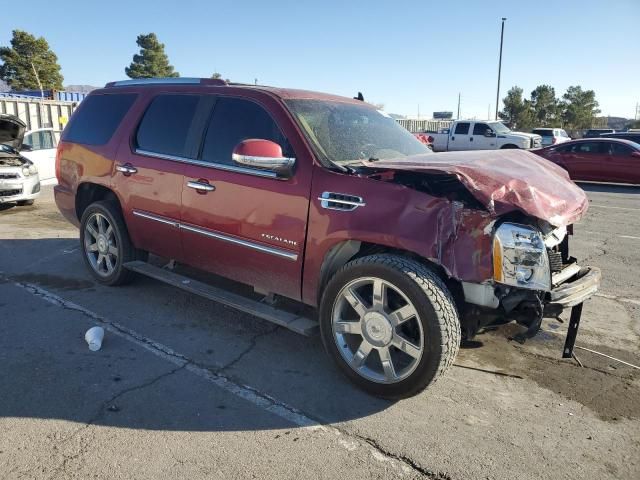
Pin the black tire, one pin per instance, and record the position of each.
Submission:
(126, 251)
(509, 147)
(436, 310)
(24, 203)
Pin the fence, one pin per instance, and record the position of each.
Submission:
(419, 126)
(38, 113)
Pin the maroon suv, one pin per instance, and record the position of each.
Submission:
(326, 201)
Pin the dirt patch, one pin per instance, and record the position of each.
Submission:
(54, 281)
(606, 387)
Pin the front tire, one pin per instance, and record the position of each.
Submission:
(390, 324)
(106, 245)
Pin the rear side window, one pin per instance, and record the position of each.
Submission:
(97, 118)
(166, 125)
(462, 129)
(235, 120)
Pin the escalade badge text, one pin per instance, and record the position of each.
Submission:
(275, 238)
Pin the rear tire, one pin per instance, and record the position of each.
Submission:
(24, 203)
(509, 147)
(106, 245)
(390, 324)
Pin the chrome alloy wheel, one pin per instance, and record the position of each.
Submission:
(377, 330)
(100, 244)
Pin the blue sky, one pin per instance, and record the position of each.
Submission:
(401, 54)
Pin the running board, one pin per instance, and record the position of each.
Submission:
(293, 322)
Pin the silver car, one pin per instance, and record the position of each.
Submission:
(19, 181)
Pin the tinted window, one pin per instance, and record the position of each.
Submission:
(480, 128)
(588, 147)
(97, 118)
(619, 149)
(40, 140)
(235, 120)
(166, 124)
(543, 132)
(462, 129)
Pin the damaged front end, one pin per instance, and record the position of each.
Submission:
(504, 237)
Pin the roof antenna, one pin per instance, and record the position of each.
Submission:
(359, 97)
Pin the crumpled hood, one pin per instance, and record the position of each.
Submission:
(504, 181)
(11, 131)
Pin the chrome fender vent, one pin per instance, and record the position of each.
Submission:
(340, 201)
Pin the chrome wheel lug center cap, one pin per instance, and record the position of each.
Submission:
(103, 244)
(377, 329)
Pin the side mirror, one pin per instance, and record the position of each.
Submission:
(263, 155)
(26, 148)
(489, 133)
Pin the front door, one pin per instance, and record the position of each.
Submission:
(479, 139)
(42, 152)
(242, 223)
(149, 172)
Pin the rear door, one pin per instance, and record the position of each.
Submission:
(249, 226)
(459, 137)
(150, 169)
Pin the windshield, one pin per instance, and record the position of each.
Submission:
(499, 127)
(344, 132)
(543, 132)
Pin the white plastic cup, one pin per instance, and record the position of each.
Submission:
(94, 337)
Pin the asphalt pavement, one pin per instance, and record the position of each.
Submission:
(186, 388)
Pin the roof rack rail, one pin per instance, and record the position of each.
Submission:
(167, 81)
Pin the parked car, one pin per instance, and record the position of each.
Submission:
(322, 200)
(39, 146)
(631, 136)
(552, 136)
(600, 160)
(19, 181)
(484, 135)
(596, 132)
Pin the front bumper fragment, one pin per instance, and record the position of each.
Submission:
(576, 290)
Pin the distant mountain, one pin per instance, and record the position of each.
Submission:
(79, 88)
(396, 116)
(618, 123)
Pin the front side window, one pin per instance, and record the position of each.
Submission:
(349, 133)
(166, 124)
(235, 120)
(480, 129)
(40, 140)
(619, 149)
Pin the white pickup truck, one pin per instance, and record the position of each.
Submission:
(482, 135)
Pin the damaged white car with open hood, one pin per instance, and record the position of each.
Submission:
(19, 180)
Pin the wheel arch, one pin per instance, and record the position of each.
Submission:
(89, 192)
(509, 146)
(343, 252)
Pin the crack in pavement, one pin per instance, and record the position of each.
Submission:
(253, 341)
(402, 464)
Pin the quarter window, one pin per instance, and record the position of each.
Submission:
(166, 125)
(462, 129)
(235, 120)
(97, 118)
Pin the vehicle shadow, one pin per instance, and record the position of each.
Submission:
(49, 373)
(609, 188)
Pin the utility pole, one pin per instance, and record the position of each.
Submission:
(500, 68)
(458, 117)
(489, 112)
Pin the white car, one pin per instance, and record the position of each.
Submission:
(39, 146)
(552, 136)
(482, 135)
(19, 181)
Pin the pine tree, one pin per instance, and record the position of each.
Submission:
(151, 61)
(26, 57)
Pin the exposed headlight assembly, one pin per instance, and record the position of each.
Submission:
(520, 257)
(29, 170)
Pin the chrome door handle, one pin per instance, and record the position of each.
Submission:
(200, 186)
(127, 169)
